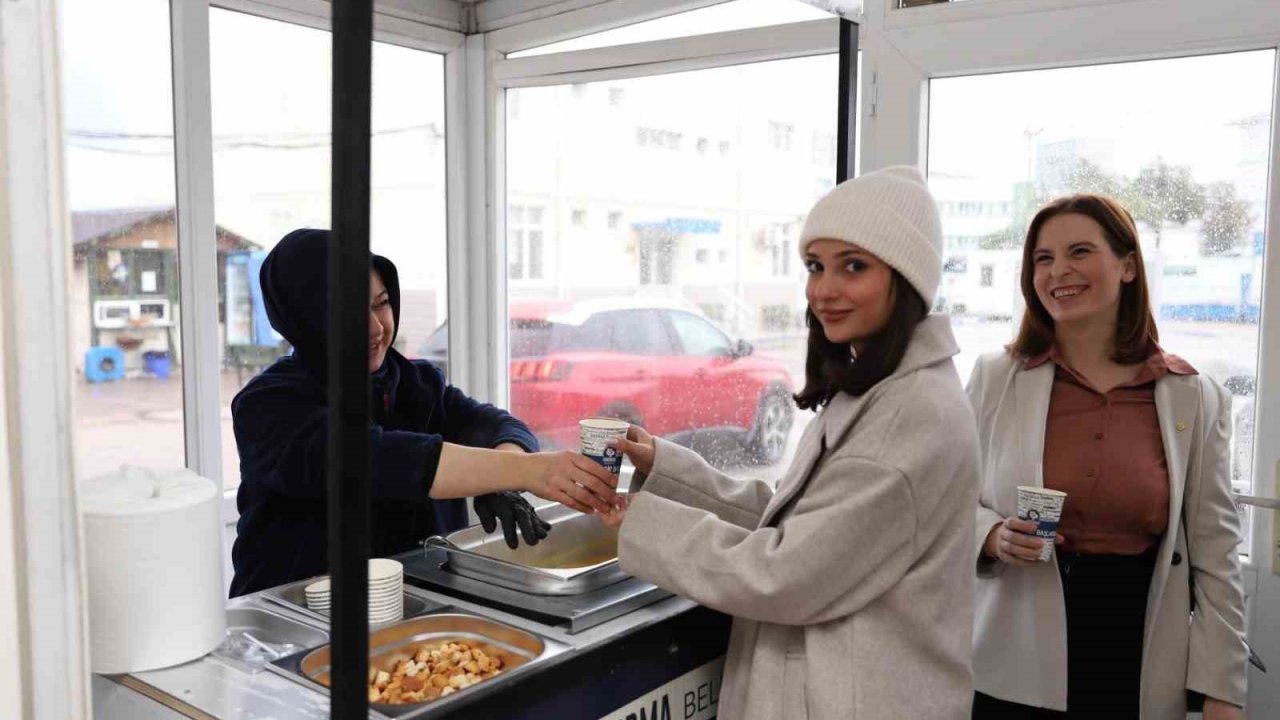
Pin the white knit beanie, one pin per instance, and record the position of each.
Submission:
(890, 214)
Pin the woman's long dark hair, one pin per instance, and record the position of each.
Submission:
(829, 367)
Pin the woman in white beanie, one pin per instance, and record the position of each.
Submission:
(850, 585)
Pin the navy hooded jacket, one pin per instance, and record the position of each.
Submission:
(281, 429)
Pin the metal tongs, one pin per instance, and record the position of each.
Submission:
(438, 541)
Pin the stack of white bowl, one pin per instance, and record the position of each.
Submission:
(386, 592)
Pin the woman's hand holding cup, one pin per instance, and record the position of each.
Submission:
(638, 446)
(1013, 543)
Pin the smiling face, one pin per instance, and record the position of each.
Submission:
(382, 323)
(1077, 275)
(849, 290)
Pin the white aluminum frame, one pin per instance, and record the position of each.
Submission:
(737, 47)
(1264, 694)
(514, 25)
(458, 214)
(903, 50)
(197, 256)
(35, 260)
(909, 47)
(197, 239)
(436, 14)
(393, 21)
(488, 366)
(483, 347)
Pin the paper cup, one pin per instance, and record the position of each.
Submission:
(1043, 507)
(318, 588)
(383, 569)
(596, 434)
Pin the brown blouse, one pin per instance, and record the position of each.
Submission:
(1105, 451)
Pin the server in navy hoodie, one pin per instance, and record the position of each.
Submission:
(431, 444)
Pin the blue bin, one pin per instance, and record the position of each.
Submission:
(103, 363)
(156, 362)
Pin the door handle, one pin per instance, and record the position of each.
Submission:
(1256, 501)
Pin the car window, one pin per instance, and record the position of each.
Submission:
(637, 332)
(530, 338)
(632, 332)
(590, 336)
(699, 337)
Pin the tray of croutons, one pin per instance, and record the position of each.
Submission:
(430, 659)
(437, 669)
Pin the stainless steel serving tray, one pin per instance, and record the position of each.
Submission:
(256, 636)
(579, 555)
(521, 651)
(293, 596)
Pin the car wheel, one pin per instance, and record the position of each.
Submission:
(774, 417)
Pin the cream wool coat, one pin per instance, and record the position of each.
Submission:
(1020, 635)
(851, 586)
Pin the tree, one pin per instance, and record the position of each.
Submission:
(1006, 238)
(1227, 220)
(1028, 198)
(1086, 177)
(1160, 194)
(1163, 193)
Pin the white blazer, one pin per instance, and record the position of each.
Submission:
(1020, 634)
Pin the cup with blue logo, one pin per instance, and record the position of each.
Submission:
(1043, 507)
(597, 435)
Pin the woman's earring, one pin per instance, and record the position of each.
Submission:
(853, 354)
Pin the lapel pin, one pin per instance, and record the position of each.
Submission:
(1181, 426)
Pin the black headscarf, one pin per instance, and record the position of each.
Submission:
(281, 423)
(295, 281)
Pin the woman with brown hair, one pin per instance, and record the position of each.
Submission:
(849, 585)
(1141, 603)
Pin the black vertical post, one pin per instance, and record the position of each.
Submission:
(847, 122)
(348, 469)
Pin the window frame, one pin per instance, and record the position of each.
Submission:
(658, 57)
(523, 229)
(910, 47)
(395, 24)
(905, 48)
(50, 649)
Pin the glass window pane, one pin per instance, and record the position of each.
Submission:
(271, 124)
(735, 15)
(123, 292)
(535, 254)
(697, 337)
(636, 332)
(1192, 169)
(695, 232)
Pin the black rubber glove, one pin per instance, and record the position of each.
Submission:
(513, 511)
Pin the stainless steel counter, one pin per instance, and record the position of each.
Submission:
(208, 688)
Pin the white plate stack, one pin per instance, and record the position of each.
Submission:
(386, 592)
